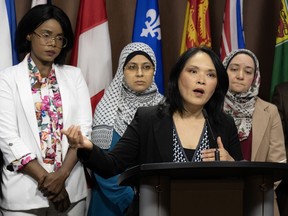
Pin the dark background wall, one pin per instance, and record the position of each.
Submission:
(260, 20)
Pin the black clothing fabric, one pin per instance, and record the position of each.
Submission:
(149, 139)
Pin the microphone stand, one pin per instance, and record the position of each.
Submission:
(216, 153)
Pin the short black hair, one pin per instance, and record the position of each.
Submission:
(214, 106)
(34, 18)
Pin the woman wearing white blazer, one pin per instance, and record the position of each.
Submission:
(39, 97)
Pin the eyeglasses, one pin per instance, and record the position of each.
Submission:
(46, 40)
(135, 68)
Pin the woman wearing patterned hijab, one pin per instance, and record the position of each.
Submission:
(133, 86)
(258, 122)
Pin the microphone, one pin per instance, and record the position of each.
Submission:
(217, 153)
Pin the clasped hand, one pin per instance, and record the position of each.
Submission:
(52, 186)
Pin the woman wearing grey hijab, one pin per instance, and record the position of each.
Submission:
(133, 86)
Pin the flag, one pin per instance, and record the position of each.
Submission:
(92, 48)
(280, 65)
(38, 2)
(197, 25)
(8, 25)
(147, 30)
(232, 30)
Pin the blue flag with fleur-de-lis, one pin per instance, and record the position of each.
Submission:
(8, 25)
(147, 30)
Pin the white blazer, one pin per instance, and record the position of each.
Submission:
(19, 133)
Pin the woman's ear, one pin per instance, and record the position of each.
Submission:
(28, 37)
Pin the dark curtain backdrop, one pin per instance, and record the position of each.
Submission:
(260, 18)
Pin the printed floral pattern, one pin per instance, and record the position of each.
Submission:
(49, 115)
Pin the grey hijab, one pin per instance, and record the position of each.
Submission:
(117, 107)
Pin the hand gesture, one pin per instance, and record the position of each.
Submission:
(209, 154)
(76, 139)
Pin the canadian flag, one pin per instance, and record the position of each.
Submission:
(92, 48)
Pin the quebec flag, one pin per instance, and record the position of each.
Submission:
(147, 30)
(8, 25)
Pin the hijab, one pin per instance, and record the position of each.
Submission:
(119, 103)
(242, 105)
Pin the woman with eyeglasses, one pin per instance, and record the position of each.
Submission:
(176, 130)
(39, 97)
(133, 86)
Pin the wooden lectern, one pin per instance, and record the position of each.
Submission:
(205, 188)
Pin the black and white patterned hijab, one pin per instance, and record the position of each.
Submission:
(242, 105)
(119, 103)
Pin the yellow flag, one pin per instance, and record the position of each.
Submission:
(197, 25)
